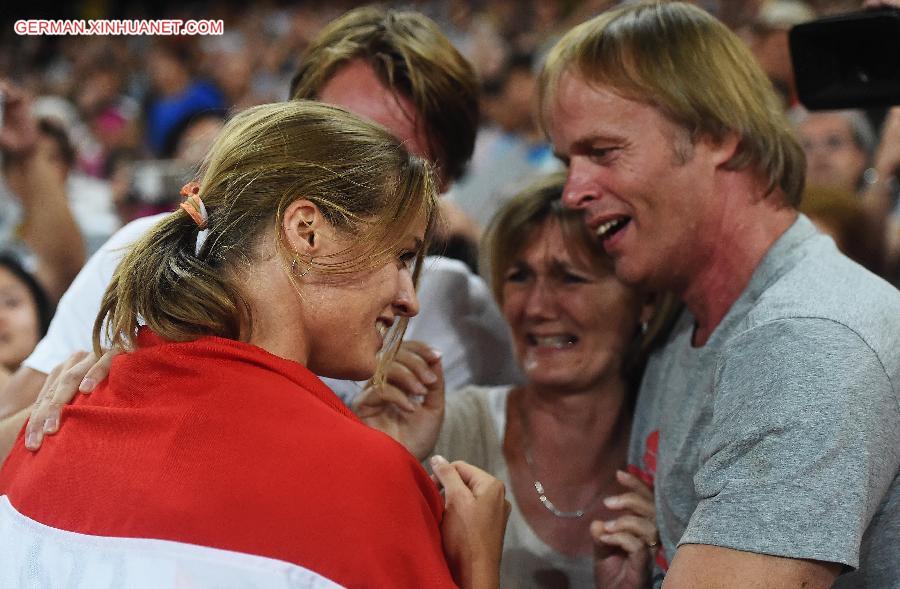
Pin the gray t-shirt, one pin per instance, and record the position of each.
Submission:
(780, 436)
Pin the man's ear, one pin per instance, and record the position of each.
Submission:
(724, 149)
(303, 226)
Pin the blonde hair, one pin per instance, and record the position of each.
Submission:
(358, 175)
(411, 56)
(533, 207)
(681, 60)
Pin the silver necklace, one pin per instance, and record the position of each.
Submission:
(539, 486)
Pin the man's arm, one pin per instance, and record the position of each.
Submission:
(797, 461)
(698, 566)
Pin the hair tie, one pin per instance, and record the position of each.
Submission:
(193, 206)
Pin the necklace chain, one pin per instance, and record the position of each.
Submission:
(539, 486)
(545, 500)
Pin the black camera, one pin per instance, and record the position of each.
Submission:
(848, 61)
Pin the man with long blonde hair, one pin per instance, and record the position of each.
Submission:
(769, 421)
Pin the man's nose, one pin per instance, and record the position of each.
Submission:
(580, 188)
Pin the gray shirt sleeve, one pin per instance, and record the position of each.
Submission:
(802, 447)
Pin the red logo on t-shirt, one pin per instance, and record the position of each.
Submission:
(648, 475)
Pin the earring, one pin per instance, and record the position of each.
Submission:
(295, 263)
(644, 327)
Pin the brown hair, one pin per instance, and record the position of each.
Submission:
(411, 56)
(681, 60)
(529, 210)
(357, 174)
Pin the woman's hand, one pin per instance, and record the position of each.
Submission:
(625, 546)
(409, 407)
(80, 373)
(474, 522)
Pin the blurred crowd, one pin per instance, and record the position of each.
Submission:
(120, 123)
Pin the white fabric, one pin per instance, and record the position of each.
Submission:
(73, 323)
(458, 316)
(91, 202)
(39, 556)
(473, 430)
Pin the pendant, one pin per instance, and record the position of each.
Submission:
(545, 501)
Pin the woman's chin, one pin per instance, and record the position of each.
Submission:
(357, 373)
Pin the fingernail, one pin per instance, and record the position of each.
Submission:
(435, 354)
(420, 389)
(624, 475)
(87, 385)
(612, 502)
(610, 526)
(437, 459)
(429, 377)
(32, 439)
(606, 538)
(51, 424)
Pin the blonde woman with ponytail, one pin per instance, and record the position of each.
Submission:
(213, 456)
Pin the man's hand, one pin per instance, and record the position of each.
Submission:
(80, 373)
(409, 407)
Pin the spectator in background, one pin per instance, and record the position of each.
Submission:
(838, 147)
(880, 195)
(37, 158)
(176, 96)
(110, 116)
(233, 71)
(768, 40)
(844, 154)
(25, 313)
(510, 150)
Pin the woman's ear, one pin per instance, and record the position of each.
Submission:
(302, 226)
